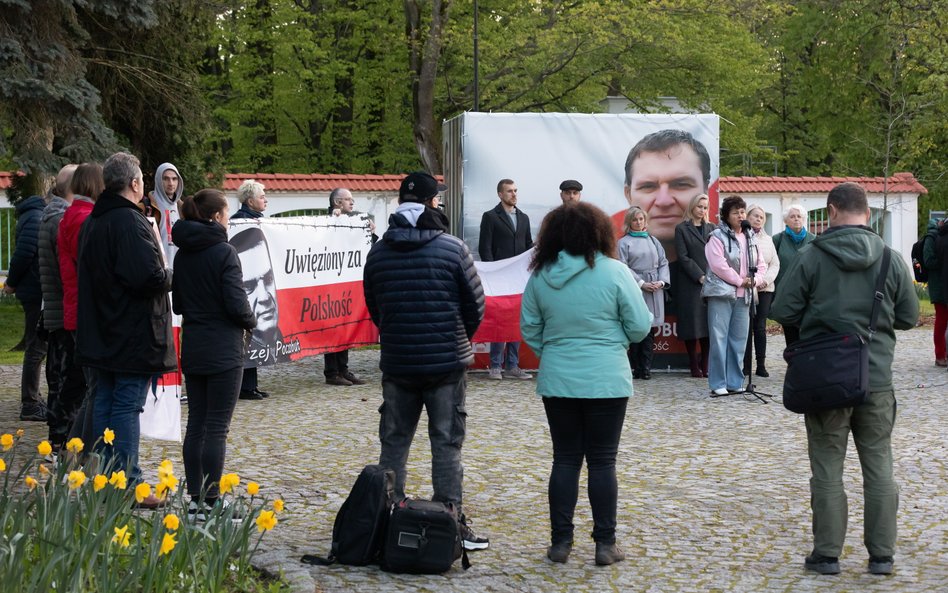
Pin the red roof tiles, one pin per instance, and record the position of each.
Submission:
(275, 182)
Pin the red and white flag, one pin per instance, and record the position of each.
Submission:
(503, 282)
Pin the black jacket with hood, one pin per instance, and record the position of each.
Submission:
(208, 293)
(423, 292)
(24, 263)
(124, 315)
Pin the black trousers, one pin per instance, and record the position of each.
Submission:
(584, 428)
(67, 384)
(757, 336)
(211, 403)
(641, 354)
(336, 363)
(248, 381)
(33, 356)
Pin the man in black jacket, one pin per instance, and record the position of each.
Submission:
(424, 294)
(505, 232)
(124, 314)
(24, 281)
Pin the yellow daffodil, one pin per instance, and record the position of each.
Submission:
(30, 482)
(20, 432)
(169, 482)
(6, 441)
(118, 480)
(43, 470)
(108, 436)
(76, 478)
(99, 482)
(74, 445)
(121, 536)
(278, 505)
(171, 522)
(229, 482)
(253, 488)
(165, 469)
(142, 491)
(3, 465)
(167, 544)
(44, 448)
(266, 520)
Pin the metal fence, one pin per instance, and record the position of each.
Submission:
(818, 220)
(7, 237)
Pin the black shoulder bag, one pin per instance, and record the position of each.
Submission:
(831, 371)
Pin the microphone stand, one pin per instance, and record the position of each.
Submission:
(751, 388)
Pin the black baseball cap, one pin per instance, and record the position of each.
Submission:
(420, 186)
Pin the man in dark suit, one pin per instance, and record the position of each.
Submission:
(505, 232)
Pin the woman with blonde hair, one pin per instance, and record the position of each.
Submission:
(691, 235)
(645, 256)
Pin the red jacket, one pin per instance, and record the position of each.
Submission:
(68, 241)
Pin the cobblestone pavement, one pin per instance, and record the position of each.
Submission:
(713, 493)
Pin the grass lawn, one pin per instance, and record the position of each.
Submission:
(11, 329)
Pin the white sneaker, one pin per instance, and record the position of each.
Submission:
(495, 374)
(517, 373)
(720, 391)
(738, 390)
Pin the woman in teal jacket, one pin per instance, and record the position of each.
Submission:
(581, 310)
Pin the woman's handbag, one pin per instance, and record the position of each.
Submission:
(831, 371)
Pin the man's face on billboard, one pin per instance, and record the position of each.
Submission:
(260, 289)
(663, 184)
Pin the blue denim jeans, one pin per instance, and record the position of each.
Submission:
(119, 401)
(728, 324)
(443, 398)
(497, 359)
(584, 428)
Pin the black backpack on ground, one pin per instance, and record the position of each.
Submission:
(359, 530)
(918, 265)
(424, 537)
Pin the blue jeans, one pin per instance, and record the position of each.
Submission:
(497, 355)
(211, 403)
(443, 398)
(119, 401)
(728, 323)
(584, 428)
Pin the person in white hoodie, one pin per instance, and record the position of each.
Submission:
(169, 187)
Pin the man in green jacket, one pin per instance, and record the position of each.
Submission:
(830, 289)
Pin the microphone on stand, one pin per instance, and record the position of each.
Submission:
(745, 226)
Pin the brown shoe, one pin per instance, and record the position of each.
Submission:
(337, 380)
(151, 502)
(607, 554)
(941, 362)
(348, 376)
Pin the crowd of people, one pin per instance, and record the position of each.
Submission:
(589, 310)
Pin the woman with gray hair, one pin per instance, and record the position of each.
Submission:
(788, 244)
(764, 297)
(253, 201)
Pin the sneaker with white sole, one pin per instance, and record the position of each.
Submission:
(495, 374)
(469, 540)
(517, 373)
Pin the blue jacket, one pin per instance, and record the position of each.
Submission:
(580, 321)
(24, 263)
(424, 294)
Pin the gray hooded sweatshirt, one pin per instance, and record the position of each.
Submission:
(168, 205)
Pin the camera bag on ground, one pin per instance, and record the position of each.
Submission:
(831, 371)
(359, 530)
(423, 538)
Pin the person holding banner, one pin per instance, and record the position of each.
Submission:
(336, 364)
(253, 201)
(645, 256)
(209, 295)
(580, 311)
(505, 233)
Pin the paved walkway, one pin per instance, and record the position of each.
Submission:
(713, 493)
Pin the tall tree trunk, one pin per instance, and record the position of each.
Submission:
(424, 53)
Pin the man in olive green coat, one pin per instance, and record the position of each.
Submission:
(830, 289)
